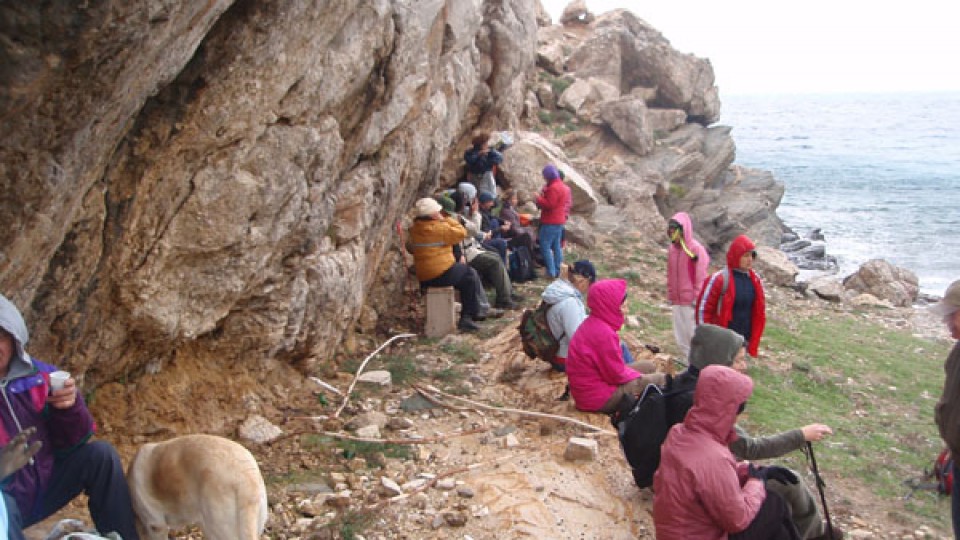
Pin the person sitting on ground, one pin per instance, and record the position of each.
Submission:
(432, 237)
(713, 345)
(481, 162)
(492, 224)
(516, 234)
(67, 462)
(598, 376)
(567, 308)
(554, 201)
(687, 265)
(700, 489)
(487, 263)
(733, 297)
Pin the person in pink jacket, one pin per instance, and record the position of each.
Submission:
(701, 492)
(596, 372)
(733, 297)
(687, 264)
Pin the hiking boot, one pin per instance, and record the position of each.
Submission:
(565, 396)
(516, 297)
(492, 313)
(837, 533)
(507, 304)
(466, 324)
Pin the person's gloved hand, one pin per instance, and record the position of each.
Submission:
(780, 474)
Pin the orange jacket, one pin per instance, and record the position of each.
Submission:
(431, 242)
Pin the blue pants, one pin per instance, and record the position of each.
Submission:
(94, 469)
(550, 236)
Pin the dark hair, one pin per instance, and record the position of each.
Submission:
(584, 268)
(480, 139)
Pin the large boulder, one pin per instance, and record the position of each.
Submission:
(885, 281)
(524, 161)
(628, 53)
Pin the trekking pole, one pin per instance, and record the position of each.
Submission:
(820, 485)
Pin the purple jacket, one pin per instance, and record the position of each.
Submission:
(24, 390)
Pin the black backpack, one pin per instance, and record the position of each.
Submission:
(521, 265)
(643, 423)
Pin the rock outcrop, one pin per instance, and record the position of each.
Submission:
(200, 191)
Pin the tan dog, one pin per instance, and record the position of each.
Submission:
(198, 480)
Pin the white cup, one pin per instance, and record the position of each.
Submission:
(58, 379)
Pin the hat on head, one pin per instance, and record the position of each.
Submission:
(550, 172)
(427, 207)
(485, 196)
(950, 303)
(585, 268)
(713, 344)
(468, 190)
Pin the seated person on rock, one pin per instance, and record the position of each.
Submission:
(700, 489)
(598, 376)
(492, 224)
(67, 462)
(481, 161)
(567, 307)
(431, 239)
(487, 263)
(713, 345)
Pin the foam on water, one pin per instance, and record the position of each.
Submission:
(878, 173)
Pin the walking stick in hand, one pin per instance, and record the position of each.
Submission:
(820, 485)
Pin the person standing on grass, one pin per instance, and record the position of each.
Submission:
(687, 264)
(733, 297)
(947, 412)
(554, 201)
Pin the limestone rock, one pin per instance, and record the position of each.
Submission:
(627, 117)
(827, 288)
(576, 12)
(376, 378)
(885, 281)
(579, 448)
(775, 266)
(259, 430)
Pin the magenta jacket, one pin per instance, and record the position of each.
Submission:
(700, 490)
(685, 276)
(595, 365)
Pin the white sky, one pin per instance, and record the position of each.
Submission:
(767, 46)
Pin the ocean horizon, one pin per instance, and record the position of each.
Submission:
(878, 173)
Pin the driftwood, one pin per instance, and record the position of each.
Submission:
(346, 398)
(424, 391)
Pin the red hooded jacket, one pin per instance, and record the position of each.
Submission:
(721, 288)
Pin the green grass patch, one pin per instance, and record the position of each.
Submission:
(462, 353)
(874, 386)
(351, 524)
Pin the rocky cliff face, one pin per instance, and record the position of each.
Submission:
(217, 184)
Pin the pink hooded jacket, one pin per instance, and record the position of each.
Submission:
(700, 490)
(685, 276)
(595, 365)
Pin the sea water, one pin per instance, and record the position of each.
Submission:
(878, 173)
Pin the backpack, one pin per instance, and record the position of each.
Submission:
(521, 265)
(644, 426)
(943, 472)
(535, 334)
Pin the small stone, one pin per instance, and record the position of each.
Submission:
(399, 423)
(376, 378)
(391, 487)
(437, 522)
(504, 430)
(511, 441)
(455, 519)
(579, 448)
(465, 491)
(370, 432)
(446, 484)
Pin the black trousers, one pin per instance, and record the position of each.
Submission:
(772, 522)
(464, 279)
